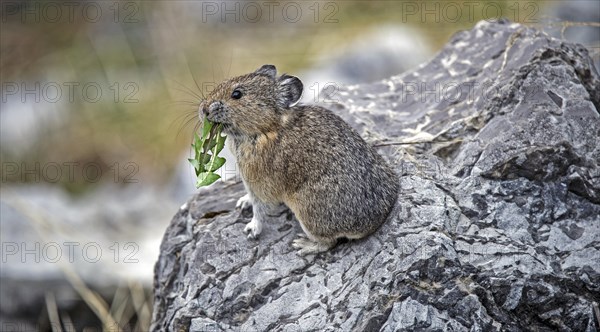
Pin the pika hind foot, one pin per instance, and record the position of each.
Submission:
(253, 228)
(307, 246)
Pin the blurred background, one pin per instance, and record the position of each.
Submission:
(99, 105)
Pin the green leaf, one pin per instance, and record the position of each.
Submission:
(205, 144)
(198, 168)
(194, 163)
(206, 150)
(206, 178)
(197, 143)
(220, 143)
(210, 143)
(211, 140)
(206, 127)
(218, 162)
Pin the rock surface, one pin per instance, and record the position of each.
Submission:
(498, 222)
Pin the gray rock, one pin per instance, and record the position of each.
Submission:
(498, 222)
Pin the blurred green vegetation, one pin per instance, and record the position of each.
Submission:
(163, 53)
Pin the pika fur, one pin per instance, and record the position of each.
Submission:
(303, 156)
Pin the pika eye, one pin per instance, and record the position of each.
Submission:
(236, 94)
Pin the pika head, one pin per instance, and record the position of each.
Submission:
(252, 104)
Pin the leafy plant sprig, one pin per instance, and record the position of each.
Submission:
(206, 150)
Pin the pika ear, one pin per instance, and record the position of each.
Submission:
(268, 70)
(289, 90)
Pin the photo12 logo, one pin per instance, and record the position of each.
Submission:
(269, 11)
(70, 171)
(54, 92)
(28, 12)
(468, 11)
(69, 252)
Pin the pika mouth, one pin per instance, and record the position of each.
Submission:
(218, 121)
(214, 119)
(226, 127)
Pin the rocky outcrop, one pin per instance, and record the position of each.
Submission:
(498, 221)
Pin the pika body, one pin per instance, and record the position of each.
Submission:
(304, 156)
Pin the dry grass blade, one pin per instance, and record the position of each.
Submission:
(120, 309)
(53, 312)
(68, 323)
(138, 296)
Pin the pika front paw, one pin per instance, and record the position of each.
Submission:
(253, 228)
(244, 202)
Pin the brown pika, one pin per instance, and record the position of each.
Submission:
(304, 156)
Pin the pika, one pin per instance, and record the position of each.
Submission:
(304, 156)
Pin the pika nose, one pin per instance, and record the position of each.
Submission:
(214, 106)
